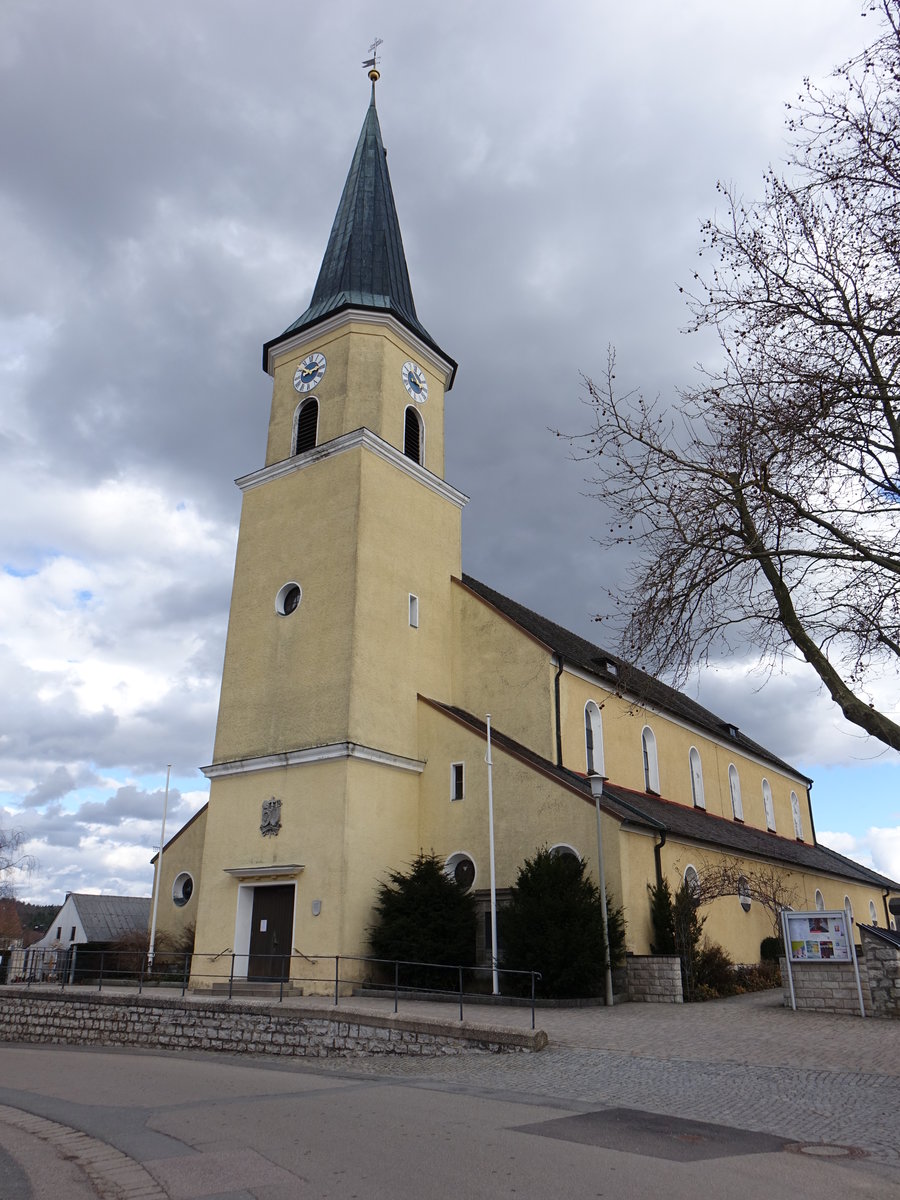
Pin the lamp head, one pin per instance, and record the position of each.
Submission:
(597, 782)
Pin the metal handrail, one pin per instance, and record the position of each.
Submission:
(74, 967)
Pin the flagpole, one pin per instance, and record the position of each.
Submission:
(158, 880)
(495, 983)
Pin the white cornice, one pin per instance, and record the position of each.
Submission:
(313, 754)
(282, 871)
(361, 316)
(350, 441)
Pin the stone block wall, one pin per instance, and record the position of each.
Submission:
(654, 978)
(827, 987)
(189, 1024)
(882, 961)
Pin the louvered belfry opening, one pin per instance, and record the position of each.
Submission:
(412, 436)
(307, 426)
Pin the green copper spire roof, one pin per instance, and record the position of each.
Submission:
(364, 264)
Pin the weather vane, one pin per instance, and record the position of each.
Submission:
(372, 63)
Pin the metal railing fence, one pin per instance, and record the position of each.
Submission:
(396, 978)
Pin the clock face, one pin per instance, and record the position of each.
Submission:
(309, 372)
(415, 382)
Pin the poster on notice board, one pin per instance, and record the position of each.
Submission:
(818, 936)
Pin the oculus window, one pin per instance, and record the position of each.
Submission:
(182, 889)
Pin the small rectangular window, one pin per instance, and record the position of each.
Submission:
(72, 934)
(413, 611)
(457, 781)
(59, 933)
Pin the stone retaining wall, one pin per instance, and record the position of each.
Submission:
(882, 962)
(654, 978)
(190, 1024)
(827, 986)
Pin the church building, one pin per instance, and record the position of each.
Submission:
(361, 664)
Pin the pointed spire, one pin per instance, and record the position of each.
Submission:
(364, 264)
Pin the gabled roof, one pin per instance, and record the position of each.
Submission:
(364, 265)
(623, 677)
(105, 918)
(638, 809)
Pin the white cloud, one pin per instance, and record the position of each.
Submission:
(877, 848)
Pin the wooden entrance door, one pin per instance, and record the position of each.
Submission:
(271, 932)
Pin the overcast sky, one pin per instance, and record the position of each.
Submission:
(170, 175)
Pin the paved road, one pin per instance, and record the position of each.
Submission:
(727, 1098)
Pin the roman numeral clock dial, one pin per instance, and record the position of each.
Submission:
(309, 373)
(415, 382)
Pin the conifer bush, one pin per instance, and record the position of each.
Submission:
(424, 916)
(553, 924)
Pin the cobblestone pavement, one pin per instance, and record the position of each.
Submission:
(747, 1062)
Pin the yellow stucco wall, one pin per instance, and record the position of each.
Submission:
(741, 932)
(183, 853)
(499, 668)
(342, 820)
(622, 722)
(359, 535)
(531, 809)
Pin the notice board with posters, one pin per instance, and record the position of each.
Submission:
(819, 937)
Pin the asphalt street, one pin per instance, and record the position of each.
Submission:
(730, 1099)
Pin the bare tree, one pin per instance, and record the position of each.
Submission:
(764, 883)
(765, 504)
(12, 859)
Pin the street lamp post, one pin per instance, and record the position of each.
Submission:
(597, 782)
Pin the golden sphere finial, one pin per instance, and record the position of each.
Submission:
(374, 75)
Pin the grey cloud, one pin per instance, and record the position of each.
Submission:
(169, 180)
(57, 784)
(125, 804)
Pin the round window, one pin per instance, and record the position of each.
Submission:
(288, 598)
(182, 889)
(461, 870)
(562, 850)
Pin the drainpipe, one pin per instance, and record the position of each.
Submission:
(657, 854)
(812, 819)
(885, 892)
(559, 756)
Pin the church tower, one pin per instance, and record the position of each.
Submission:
(341, 606)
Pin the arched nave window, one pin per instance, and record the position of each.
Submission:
(696, 778)
(768, 805)
(734, 786)
(795, 813)
(651, 764)
(593, 739)
(306, 426)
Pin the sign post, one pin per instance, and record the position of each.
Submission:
(819, 937)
